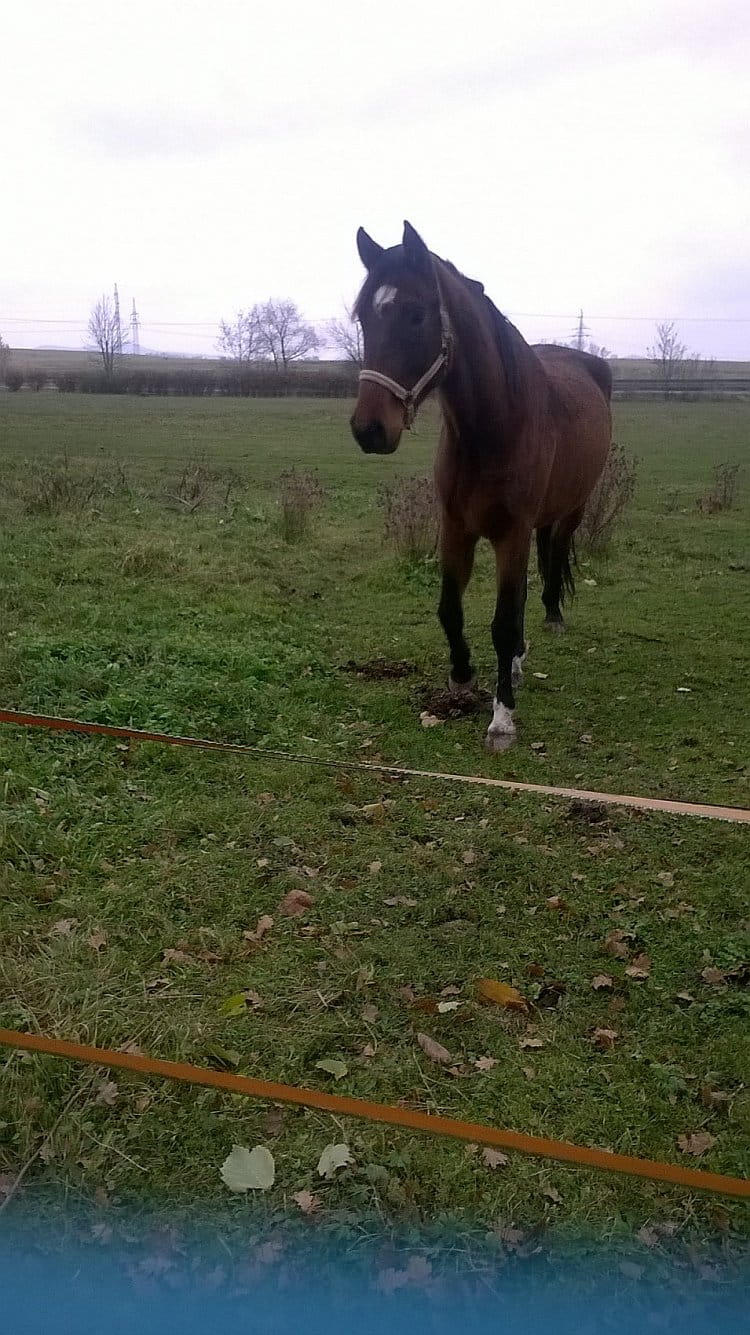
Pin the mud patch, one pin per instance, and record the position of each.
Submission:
(381, 669)
(445, 705)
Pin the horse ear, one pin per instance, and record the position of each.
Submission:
(369, 250)
(415, 249)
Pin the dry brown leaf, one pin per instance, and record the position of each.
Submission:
(132, 1047)
(97, 940)
(687, 997)
(263, 862)
(107, 1094)
(553, 1195)
(485, 1063)
(535, 970)
(435, 1051)
(615, 944)
(368, 1051)
(429, 720)
(307, 1201)
(556, 902)
(265, 923)
(501, 994)
(530, 1041)
(696, 1142)
(604, 1039)
(375, 867)
(494, 1158)
(665, 878)
(176, 957)
(370, 1014)
(647, 1236)
(295, 903)
(714, 977)
(640, 968)
(468, 857)
(601, 982)
(63, 926)
(450, 991)
(400, 900)
(714, 1098)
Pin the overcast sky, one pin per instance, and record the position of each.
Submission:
(206, 156)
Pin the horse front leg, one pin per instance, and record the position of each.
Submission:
(511, 560)
(457, 561)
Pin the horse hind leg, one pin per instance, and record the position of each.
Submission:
(555, 553)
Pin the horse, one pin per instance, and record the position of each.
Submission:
(526, 431)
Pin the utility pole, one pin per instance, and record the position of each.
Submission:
(581, 332)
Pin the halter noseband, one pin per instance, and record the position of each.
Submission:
(411, 398)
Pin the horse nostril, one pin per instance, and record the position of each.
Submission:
(371, 438)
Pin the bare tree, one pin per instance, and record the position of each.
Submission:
(106, 335)
(5, 358)
(598, 350)
(283, 335)
(346, 336)
(668, 355)
(240, 341)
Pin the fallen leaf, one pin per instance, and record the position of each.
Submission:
(616, 944)
(714, 977)
(535, 970)
(530, 1041)
(485, 1063)
(333, 1158)
(556, 902)
(435, 1051)
(450, 991)
(262, 862)
(714, 1098)
(604, 1039)
(307, 1201)
(108, 1093)
(375, 867)
(468, 857)
(367, 1051)
(333, 1066)
(684, 690)
(501, 994)
(97, 940)
(665, 878)
(647, 1236)
(265, 923)
(512, 1237)
(370, 1014)
(132, 1047)
(63, 926)
(240, 1002)
(445, 1006)
(399, 900)
(537, 746)
(553, 1195)
(224, 1058)
(631, 1270)
(640, 968)
(601, 982)
(696, 1142)
(542, 676)
(687, 997)
(550, 994)
(494, 1158)
(176, 957)
(295, 903)
(249, 1170)
(429, 720)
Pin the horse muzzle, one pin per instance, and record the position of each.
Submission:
(374, 438)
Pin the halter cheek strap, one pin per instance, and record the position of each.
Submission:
(411, 398)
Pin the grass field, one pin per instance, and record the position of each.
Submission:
(129, 880)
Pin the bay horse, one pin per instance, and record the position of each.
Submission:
(525, 435)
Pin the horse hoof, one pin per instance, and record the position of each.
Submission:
(462, 687)
(495, 742)
(555, 627)
(502, 731)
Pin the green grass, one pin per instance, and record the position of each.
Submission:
(131, 610)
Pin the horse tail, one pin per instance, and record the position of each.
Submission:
(569, 565)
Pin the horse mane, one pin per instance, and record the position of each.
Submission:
(515, 354)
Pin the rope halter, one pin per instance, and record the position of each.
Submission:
(412, 398)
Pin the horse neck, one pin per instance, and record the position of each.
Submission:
(479, 391)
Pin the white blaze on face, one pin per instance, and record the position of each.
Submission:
(383, 297)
